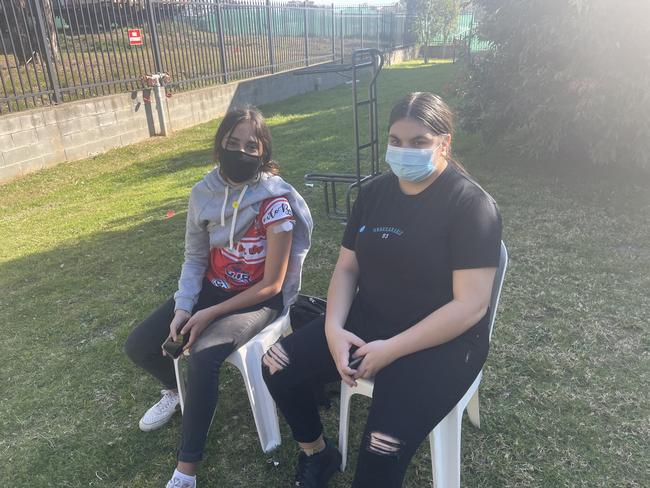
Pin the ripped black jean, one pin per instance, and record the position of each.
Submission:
(410, 395)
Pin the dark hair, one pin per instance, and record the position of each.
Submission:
(432, 111)
(251, 114)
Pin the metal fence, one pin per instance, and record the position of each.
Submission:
(53, 51)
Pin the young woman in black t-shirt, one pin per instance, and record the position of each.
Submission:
(409, 297)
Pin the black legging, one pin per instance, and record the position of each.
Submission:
(410, 396)
(207, 355)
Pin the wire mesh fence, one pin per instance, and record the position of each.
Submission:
(463, 31)
(53, 51)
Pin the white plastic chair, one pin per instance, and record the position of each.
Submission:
(248, 359)
(445, 437)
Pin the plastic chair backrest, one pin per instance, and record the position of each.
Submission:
(497, 284)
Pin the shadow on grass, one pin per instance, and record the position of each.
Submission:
(71, 407)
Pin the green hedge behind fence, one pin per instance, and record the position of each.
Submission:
(465, 27)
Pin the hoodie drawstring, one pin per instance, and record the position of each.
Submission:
(223, 208)
(235, 205)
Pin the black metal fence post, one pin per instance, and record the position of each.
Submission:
(222, 43)
(304, 10)
(377, 30)
(52, 74)
(361, 13)
(333, 36)
(155, 45)
(269, 34)
(342, 36)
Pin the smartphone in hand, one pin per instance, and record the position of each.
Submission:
(354, 362)
(174, 348)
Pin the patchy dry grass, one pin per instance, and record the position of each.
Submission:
(86, 251)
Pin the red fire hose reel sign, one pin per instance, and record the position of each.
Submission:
(135, 37)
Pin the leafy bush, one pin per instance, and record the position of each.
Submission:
(564, 77)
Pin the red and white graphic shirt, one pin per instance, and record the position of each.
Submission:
(237, 269)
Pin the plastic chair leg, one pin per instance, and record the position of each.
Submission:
(344, 420)
(473, 410)
(445, 450)
(180, 383)
(262, 404)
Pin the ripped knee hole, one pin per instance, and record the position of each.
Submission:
(275, 359)
(383, 444)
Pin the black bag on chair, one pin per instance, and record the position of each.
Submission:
(304, 310)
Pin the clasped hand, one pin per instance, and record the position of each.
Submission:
(376, 355)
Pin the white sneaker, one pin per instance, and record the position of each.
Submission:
(177, 482)
(161, 412)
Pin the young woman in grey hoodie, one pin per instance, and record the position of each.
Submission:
(247, 235)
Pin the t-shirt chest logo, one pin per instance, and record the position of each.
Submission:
(386, 232)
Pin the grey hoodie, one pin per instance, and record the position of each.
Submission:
(213, 221)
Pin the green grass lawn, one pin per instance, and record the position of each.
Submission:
(87, 251)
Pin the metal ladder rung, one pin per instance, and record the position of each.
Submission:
(332, 177)
(364, 146)
(362, 65)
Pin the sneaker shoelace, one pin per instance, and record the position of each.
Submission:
(168, 399)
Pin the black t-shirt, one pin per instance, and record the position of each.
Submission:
(408, 245)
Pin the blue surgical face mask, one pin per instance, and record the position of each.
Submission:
(411, 164)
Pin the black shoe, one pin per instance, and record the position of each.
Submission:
(316, 470)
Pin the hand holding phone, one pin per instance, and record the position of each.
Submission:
(354, 362)
(174, 348)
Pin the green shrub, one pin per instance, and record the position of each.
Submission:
(564, 77)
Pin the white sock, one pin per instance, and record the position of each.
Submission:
(184, 477)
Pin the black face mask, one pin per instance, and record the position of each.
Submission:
(238, 166)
